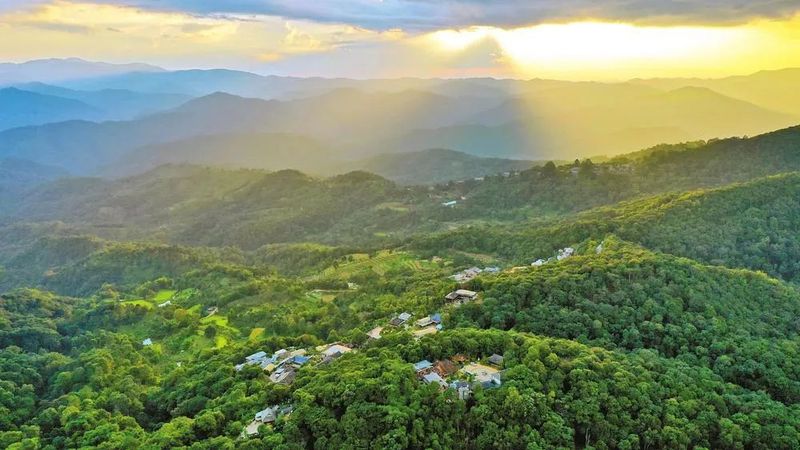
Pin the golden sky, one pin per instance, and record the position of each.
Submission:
(583, 47)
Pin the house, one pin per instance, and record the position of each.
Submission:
(425, 321)
(400, 319)
(255, 358)
(565, 253)
(166, 303)
(491, 269)
(461, 296)
(574, 171)
(467, 275)
(462, 388)
(459, 358)
(460, 278)
(266, 365)
(445, 368)
(423, 366)
(538, 262)
(268, 415)
(147, 342)
(450, 203)
(298, 360)
(496, 360)
(436, 318)
(336, 350)
(478, 178)
(599, 248)
(433, 377)
(425, 331)
(283, 375)
(375, 333)
(211, 310)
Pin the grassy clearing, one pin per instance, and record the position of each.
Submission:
(220, 341)
(380, 264)
(393, 206)
(255, 334)
(164, 295)
(216, 320)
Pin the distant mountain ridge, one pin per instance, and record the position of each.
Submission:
(116, 104)
(436, 166)
(64, 69)
(22, 108)
(358, 119)
(277, 151)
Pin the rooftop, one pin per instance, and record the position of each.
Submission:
(422, 365)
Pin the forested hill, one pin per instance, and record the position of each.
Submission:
(618, 295)
(193, 205)
(88, 386)
(751, 225)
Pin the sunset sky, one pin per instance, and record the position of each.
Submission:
(565, 39)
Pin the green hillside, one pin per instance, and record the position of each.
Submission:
(751, 225)
(741, 324)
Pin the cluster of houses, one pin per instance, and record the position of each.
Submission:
(282, 365)
(472, 272)
(463, 376)
(426, 325)
(400, 319)
(563, 253)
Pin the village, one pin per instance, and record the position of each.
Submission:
(282, 366)
(459, 372)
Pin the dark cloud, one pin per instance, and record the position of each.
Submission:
(435, 14)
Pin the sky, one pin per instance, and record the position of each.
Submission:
(563, 39)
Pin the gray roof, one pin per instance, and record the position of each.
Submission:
(422, 365)
(434, 377)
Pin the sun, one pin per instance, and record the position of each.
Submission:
(601, 49)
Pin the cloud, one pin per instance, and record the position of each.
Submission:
(423, 15)
(61, 27)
